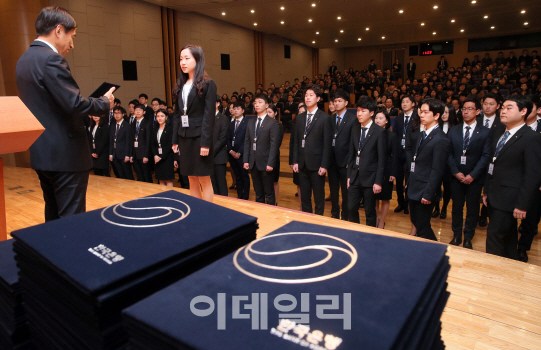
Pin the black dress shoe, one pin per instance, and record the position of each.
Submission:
(456, 240)
(522, 255)
(467, 243)
(328, 199)
(232, 187)
(296, 194)
(436, 212)
(443, 214)
(483, 221)
(406, 211)
(398, 209)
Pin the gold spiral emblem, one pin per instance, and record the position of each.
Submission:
(248, 257)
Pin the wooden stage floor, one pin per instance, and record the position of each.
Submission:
(495, 303)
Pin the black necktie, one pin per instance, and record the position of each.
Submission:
(338, 121)
(308, 121)
(257, 126)
(236, 125)
(117, 128)
(363, 135)
(423, 136)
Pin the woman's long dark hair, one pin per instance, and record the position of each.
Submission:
(200, 74)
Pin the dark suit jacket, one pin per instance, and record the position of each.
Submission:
(317, 149)
(291, 108)
(238, 136)
(412, 67)
(496, 126)
(201, 111)
(340, 150)
(391, 158)
(166, 141)
(477, 154)
(516, 177)
(123, 141)
(220, 138)
(101, 140)
(144, 138)
(371, 166)
(393, 112)
(266, 145)
(430, 165)
(398, 129)
(333, 69)
(48, 89)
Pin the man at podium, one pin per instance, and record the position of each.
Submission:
(61, 155)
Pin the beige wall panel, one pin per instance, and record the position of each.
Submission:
(127, 42)
(81, 52)
(114, 59)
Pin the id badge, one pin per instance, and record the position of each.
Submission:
(333, 142)
(136, 144)
(254, 147)
(114, 145)
(403, 143)
(233, 141)
(491, 168)
(412, 169)
(463, 160)
(357, 160)
(185, 123)
(160, 150)
(302, 144)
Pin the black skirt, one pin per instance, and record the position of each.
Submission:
(191, 163)
(386, 193)
(165, 169)
(276, 170)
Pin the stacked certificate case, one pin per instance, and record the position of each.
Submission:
(78, 273)
(303, 286)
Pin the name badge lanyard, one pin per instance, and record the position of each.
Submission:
(257, 132)
(465, 149)
(116, 133)
(412, 169)
(137, 128)
(491, 165)
(404, 131)
(94, 137)
(235, 131)
(184, 118)
(361, 144)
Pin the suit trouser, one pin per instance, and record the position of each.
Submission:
(338, 181)
(263, 186)
(142, 170)
(446, 193)
(310, 181)
(242, 177)
(102, 172)
(420, 217)
(401, 174)
(530, 224)
(123, 169)
(469, 194)
(356, 193)
(64, 193)
(219, 182)
(411, 75)
(114, 170)
(502, 234)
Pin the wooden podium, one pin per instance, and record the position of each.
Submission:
(19, 129)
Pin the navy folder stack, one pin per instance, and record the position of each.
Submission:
(14, 332)
(78, 273)
(303, 286)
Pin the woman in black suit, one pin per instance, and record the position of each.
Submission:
(162, 150)
(99, 145)
(448, 123)
(194, 124)
(383, 199)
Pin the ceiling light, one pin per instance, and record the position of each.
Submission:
(383, 37)
(313, 42)
(452, 21)
(342, 31)
(317, 33)
(367, 28)
(435, 7)
(462, 30)
(433, 33)
(314, 5)
(473, 2)
(335, 40)
(309, 20)
(359, 39)
(422, 24)
(523, 11)
(485, 17)
(282, 22)
(525, 23)
(492, 27)
(401, 11)
(252, 11)
(255, 24)
(223, 13)
(338, 17)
